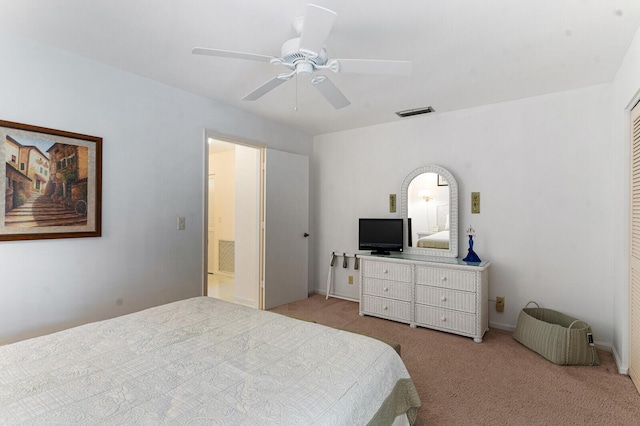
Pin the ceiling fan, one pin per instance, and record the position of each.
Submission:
(306, 56)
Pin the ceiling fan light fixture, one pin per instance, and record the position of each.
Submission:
(415, 111)
(304, 68)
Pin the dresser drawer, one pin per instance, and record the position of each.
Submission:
(388, 308)
(386, 288)
(447, 278)
(447, 319)
(445, 298)
(386, 271)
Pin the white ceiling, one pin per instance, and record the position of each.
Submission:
(465, 52)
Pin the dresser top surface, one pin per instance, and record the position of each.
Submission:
(444, 261)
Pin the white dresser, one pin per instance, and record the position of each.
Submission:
(440, 293)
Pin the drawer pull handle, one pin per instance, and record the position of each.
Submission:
(443, 298)
(386, 289)
(385, 271)
(443, 319)
(443, 278)
(386, 308)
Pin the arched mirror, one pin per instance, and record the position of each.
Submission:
(430, 212)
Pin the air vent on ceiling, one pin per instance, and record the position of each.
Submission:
(415, 111)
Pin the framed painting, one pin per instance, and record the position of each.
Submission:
(52, 183)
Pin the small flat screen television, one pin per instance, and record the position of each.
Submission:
(381, 236)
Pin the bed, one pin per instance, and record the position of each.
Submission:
(439, 240)
(204, 361)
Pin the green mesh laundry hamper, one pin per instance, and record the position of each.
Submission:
(559, 338)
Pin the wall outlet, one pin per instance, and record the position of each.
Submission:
(350, 279)
(500, 304)
(181, 223)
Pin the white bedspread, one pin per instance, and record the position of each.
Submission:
(197, 361)
(439, 240)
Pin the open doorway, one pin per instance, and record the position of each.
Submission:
(233, 236)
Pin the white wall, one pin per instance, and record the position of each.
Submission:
(153, 172)
(626, 89)
(544, 169)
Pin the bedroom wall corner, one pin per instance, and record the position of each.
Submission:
(152, 173)
(543, 205)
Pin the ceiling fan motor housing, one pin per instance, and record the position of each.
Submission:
(290, 53)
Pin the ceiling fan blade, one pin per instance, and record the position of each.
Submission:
(316, 27)
(330, 92)
(264, 89)
(231, 54)
(375, 66)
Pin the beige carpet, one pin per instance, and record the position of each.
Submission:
(497, 382)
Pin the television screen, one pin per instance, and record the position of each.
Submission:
(381, 236)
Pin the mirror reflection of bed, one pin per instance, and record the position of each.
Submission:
(428, 208)
(437, 240)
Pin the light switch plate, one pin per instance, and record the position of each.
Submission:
(475, 202)
(392, 203)
(181, 223)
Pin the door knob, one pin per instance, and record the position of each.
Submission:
(305, 235)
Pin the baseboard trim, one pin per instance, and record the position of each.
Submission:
(622, 369)
(335, 296)
(501, 326)
(244, 301)
(604, 346)
(350, 299)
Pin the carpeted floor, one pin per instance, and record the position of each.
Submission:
(497, 382)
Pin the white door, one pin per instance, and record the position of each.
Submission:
(286, 242)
